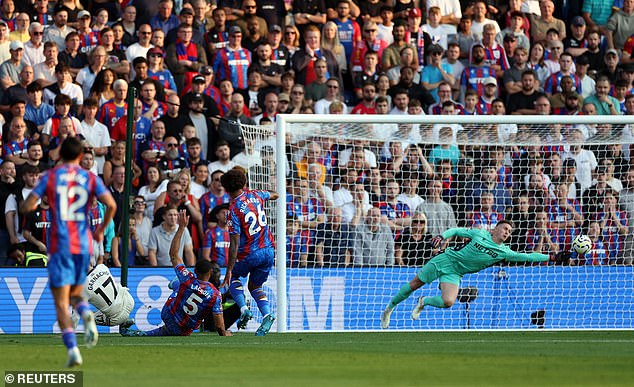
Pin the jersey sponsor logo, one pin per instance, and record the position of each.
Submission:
(485, 250)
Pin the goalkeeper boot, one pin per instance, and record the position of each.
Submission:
(419, 308)
(244, 319)
(385, 317)
(91, 334)
(74, 357)
(265, 327)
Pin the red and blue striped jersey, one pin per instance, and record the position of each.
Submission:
(349, 33)
(208, 202)
(232, 64)
(614, 241)
(160, 110)
(88, 41)
(70, 190)
(495, 55)
(483, 220)
(110, 112)
(164, 77)
(473, 77)
(15, 148)
(217, 239)
(247, 219)
(551, 86)
(193, 302)
(598, 255)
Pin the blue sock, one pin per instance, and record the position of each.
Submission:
(69, 338)
(237, 292)
(82, 307)
(260, 298)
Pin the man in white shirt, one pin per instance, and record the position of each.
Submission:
(33, 48)
(95, 133)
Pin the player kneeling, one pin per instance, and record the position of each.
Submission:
(195, 299)
(113, 301)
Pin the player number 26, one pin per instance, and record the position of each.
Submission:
(191, 304)
(256, 221)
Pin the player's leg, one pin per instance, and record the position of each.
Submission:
(236, 289)
(91, 334)
(449, 284)
(61, 296)
(257, 278)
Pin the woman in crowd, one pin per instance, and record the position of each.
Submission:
(330, 41)
(536, 62)
(117, 158)
(382, 88)
(100, 20)
(290, 40)
(102, 86)
(199, 185)
(297, 99)
(156, 185)
(408, 59)
(158, 71)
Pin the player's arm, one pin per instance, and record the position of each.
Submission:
(183, 220)
(274, 195)
(30, 203)
(527, 257)
(233, 256)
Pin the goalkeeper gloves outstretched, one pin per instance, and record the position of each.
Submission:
(437, 241)
(562, 258)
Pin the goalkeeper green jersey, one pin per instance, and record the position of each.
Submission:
(481, 252)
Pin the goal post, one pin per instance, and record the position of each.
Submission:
(467, 171)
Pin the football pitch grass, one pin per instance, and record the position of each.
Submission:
(536, 358)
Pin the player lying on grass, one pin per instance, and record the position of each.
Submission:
(113, 301)
(195, 299)
(251, 245)
(483, 249)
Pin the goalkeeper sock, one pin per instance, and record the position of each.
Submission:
(237, 292)
(435, 301)
(69, 338)
(401, 296)
(260, 298)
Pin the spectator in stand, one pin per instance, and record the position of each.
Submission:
(290, 40)
(156, 184)
(593, 197)
(307, 214)
(576, 44)
(57, 32)
(484, 216)
(523, 101)
(171, 163)
(440, 215)
(540, 24)
(229, 129)
(303, 61)
(20, 30)
(410, 182)
(10, 69)
(538, 238)
(33, 48)
(90, 81)
(537, 64)
(437, 30)
(614, 224)
(165, 19)
(216, 242)
(95, 133)
(161, 237)
(474, 74)
(116, 108)
(464, 38)
(366, 106)
(553, 82)
(72, 56)
(413, 247)
(185, 57)
(436, 72)
(480, 20)
(516, 30)
(620, 25)
(36, 111)
(392, 53)
(334, 242)
(374, 243)
(604, 103)
(565, 217)
(115, 56)
(102, 88)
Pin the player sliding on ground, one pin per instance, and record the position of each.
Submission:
(70, 190)
(196, 297)
(484, 249)
(251, 245)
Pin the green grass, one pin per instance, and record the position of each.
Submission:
(341, 359)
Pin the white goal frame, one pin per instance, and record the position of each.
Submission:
(284, 120)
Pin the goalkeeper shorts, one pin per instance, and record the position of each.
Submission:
(436, 269)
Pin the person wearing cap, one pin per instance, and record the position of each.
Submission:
(58, 31)
(232, 62)
(480, 19)
(184, 58)
(158, 72)
(541, 24)
(11, 68)
(186, 16)
(88, 38)
(611, 60)
(576, 43)
(436, 72)
(198, 116)
(198, 87)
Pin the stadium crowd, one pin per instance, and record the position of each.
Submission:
(202, 69)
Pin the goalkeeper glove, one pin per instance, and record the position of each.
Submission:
(562, 257)
(437, 241)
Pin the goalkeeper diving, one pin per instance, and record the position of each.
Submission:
(483, 249)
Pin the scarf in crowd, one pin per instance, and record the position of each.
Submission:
(55, 124)
(189, 53)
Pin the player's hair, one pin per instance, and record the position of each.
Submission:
(505, 221)
(234, 180)
(203, 268)
(71, 149)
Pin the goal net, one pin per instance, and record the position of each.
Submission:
(362, 196)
